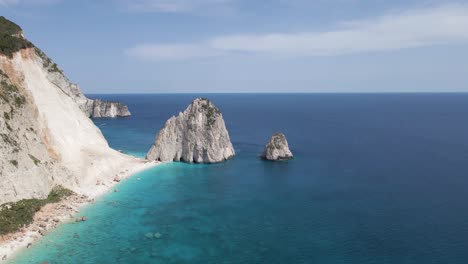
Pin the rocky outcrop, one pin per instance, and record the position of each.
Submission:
(196, 135)
(46, 139)
(94, 108)
(277, 148)
(57, 78)
(108, 109)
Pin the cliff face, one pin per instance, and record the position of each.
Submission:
(277, 148)
(93, 108)
(56, 77)
(108, 109)
(46, 139)
(196, 135)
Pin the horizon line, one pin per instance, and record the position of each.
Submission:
(384, 92)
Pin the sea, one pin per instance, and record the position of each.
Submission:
(376, 178)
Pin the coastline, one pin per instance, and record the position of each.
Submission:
(53, 215)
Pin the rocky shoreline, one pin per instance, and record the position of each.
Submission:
(53, 215)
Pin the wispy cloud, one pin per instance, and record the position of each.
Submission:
(410, 29)
(176, 6)
(172, 52)
(10, 3)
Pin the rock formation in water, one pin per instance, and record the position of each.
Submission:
(46, 137)
(108, 109)
(197, 135)
(277, 148)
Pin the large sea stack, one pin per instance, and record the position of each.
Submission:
(196, 135)
(277, 148)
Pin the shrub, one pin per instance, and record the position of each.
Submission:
(20, 100)
(9, 91)
(2, 74)
(14, 216)
(7, 139)
(11, 44)
(34, 159)
(8, 27)
(14, 162)
(10, 41)
(57, 194)
(211, 113)
(47, 62)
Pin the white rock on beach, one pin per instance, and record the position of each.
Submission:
(197, 135)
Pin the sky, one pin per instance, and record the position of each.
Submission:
(224, 46)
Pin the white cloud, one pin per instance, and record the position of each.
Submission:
(172, 52)
(411, 29)
(176, 6)
(8, 3)
(390, 32)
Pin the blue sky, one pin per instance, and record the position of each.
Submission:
(145, 46)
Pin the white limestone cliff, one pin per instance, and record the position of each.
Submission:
(46, 139)
(94, 108)
(197, 135)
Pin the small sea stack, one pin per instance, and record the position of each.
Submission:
(197, 135)
(277, 148)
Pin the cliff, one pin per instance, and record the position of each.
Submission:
(277, 148)
(95, 108)
(46, 139)
(197, 135)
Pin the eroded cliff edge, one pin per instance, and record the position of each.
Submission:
(197, 135)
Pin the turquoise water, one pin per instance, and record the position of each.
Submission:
(376, 179)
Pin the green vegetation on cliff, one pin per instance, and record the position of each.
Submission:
(8, 27)
(10, 38)
(46, 61)
(13, 216)
(211, 111)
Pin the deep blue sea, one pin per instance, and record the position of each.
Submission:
(377, 178)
